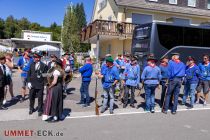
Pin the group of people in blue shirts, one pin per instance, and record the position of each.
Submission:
(170, 74)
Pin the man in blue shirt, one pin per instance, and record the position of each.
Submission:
(23, 67)
(86, 72)
(110, 74)
(151, 77)
(176, 72)
(131, 80)
(204, 79)
(164, 72)
(192, 77)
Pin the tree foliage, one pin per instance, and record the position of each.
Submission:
(74, 21)
(12, 27)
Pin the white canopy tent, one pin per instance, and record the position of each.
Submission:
(4, 48)
(47, 48)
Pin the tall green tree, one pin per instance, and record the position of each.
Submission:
(2, 26)
(10, 27)
(70, 37)
(22, 24)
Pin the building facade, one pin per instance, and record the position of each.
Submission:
(114, 20)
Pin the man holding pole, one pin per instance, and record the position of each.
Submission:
(110, 74)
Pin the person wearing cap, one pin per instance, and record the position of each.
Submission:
(23, 64)
(164, 73)
(36, 83)
(176, 72)
(54, 107)
(86, 72)
(110, 74)
(192, 77)
(204, 80)
(131, 80)
(52, 61)
(151, 77)
(2, 80)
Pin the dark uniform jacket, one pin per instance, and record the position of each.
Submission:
(2, 78)
(35, 76)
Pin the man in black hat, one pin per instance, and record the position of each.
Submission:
(2, 80)
(151, 77)
(36, 83)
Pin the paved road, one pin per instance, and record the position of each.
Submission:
(190, 125)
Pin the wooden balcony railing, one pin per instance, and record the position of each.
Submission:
(104, 27)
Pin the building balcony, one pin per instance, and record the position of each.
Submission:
(107, 30)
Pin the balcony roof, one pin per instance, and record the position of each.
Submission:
(163, 7)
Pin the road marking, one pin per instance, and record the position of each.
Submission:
(130, 113)
(204, 131)
(22, 114)
(187, 126)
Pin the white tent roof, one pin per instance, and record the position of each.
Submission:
(3, 48)
(45, 48)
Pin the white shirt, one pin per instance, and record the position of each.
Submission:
(37, 65)
(56, 73)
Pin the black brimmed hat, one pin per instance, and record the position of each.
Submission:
(66, 53)
(37, 54)
(134, 58)
(86, 56)
(53, 56)
(58, 62)
(151, 58)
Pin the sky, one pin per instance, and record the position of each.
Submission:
(43, 12)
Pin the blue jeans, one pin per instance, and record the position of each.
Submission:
(84, 90)
(173, 89)
(150, 96)
(108, 92)
(189, 89)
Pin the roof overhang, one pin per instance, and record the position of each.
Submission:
(23, 43)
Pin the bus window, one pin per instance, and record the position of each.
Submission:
(206, 38)
(142, 32)
(170, 36)
(192, 37)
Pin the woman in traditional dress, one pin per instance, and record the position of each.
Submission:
(54, 101)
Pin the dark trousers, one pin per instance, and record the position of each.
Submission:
(84, 90)
(1, 96)
(127, 88)
(32, 96)
(173, 89)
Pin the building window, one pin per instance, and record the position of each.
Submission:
(154, 0)
(102, 4)
(192, 3)
(172, 1)
(208, 5)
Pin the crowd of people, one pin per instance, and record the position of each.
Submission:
(123, 74)
(37, 76)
